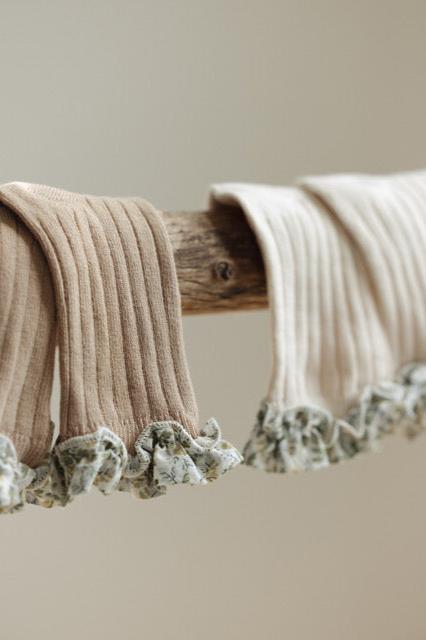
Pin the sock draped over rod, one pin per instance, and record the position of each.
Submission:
(97, 275)
(346, 273)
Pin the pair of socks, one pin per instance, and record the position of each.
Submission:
(347, 288)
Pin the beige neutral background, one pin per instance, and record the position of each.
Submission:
(160, 98)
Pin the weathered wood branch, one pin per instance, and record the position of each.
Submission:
(218, 261)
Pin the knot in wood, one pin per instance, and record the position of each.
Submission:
(223, 270)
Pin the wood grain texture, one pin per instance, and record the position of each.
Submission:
(218, 261)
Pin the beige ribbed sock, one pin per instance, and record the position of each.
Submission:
(129, 418)
(347, 288)
(27, 347)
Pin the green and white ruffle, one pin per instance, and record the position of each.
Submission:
(15, 477)
(302, 438)
(165, 454)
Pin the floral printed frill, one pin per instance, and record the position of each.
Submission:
(165, 454)
(302, 438)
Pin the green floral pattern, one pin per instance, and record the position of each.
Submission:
(303, 438)
(14, 478)
(80, 463)
(165, 454)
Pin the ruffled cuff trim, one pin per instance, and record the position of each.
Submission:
(165, 454)
(305, 437)
(14, 478)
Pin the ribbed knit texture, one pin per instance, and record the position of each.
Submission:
(99, 274)
(121, 351)
(344, 259)
(27, 340)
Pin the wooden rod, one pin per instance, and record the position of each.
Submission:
(218, 261)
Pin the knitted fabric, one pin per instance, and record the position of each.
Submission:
(344, 260)
(99, 273)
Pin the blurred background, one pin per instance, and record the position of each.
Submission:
(161, 98)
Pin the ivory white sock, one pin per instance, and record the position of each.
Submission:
(344, 260)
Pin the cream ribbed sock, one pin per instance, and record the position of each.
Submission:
(347, 287)
(128, 413)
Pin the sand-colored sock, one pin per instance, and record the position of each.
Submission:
(129, 419)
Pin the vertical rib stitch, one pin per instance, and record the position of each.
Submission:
(27, 341)
(347, 289)
(129, 419)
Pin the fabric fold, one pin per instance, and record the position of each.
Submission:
(346, 283)
(98, 275)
